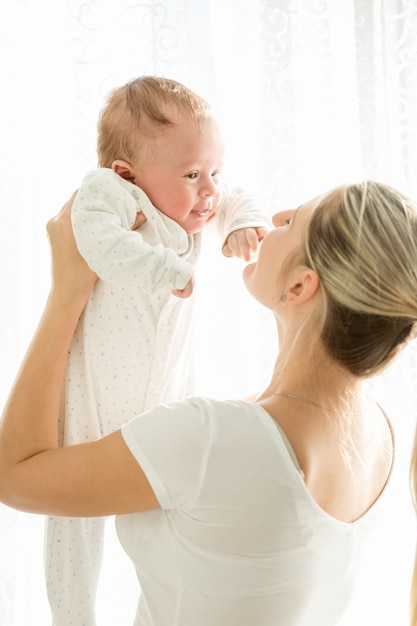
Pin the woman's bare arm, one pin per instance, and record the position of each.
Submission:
(97, 478)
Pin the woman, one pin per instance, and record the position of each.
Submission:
(241, 512)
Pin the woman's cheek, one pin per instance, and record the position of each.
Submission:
(262, 283)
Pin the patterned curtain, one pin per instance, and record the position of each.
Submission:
(310, 94)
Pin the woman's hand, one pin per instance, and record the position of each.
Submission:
(72, 279)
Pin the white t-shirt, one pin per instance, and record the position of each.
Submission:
(239, 541)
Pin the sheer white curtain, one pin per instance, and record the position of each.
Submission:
(310, 93)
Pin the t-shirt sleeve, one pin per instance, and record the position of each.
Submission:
(172, 445)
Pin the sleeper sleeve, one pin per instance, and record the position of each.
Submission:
(172, 444)
(103, 213)
(238, 209)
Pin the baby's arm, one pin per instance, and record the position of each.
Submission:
(186, 292)
(244, 242)
(179, 293)
(104, 212)
(241, 224)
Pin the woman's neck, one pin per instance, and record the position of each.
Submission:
(318, 380)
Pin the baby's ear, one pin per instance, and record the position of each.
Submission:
(123, 169)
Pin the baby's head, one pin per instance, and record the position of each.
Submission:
(161, 136)
(134, 112)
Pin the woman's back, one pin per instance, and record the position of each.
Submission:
(346, 458)
(245, 543)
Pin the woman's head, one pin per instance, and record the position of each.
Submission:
(140, 108)
(360, 241)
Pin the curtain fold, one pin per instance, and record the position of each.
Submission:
(310, 94)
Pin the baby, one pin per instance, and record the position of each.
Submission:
(138, 222)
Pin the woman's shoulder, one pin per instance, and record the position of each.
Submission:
(223, 407)
(206, 410)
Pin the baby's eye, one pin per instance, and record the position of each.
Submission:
(192, 175)
(217, 173)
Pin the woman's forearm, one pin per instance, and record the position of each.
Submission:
(30, 417)
(90, 479)
(29, 421)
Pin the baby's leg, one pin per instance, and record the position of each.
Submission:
(73, 556)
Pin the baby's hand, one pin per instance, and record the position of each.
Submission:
(244, 242)
(186, 292)
(140, 219)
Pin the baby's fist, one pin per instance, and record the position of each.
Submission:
(244, 242)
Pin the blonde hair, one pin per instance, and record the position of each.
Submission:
(362, 242)
(133, 110)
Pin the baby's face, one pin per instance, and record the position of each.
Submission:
(182, 170)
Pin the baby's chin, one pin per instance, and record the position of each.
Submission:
(198, 226)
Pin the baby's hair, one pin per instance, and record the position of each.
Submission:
(134, 110)
(362, 242)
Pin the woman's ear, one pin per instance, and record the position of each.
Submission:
(124, 169)
(302, 284)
